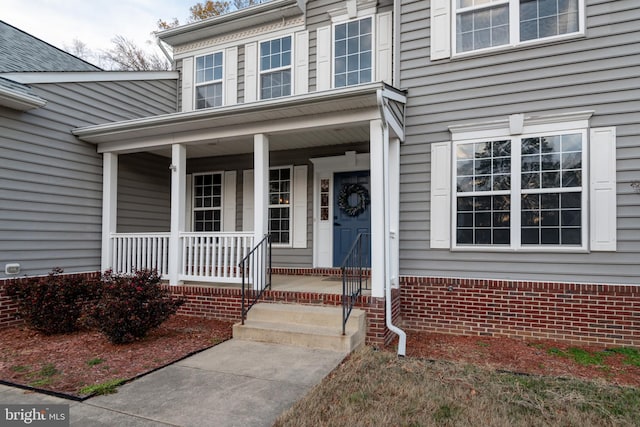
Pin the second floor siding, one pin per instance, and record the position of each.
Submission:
(279, 58)
(595, 71)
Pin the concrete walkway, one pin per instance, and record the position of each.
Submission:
(236, 383)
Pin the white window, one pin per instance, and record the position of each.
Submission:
(209, 76)
(275, 68)
(525, 184)
(521, 191)
(280, 205)
(481, 24)
(207, 202)
(353, 56)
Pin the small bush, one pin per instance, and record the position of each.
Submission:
(130, 306)
(55, 303)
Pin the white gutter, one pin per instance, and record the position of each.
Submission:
(164, 50)
(402, 336)
(20, 101)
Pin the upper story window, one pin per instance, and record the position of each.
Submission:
(353, 57)
(482, 24)
(275, 68)
(209, 80)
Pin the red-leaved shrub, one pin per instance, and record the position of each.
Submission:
(130, 306)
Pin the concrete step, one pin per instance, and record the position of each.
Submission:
(303, 325)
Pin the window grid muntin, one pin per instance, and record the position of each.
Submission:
(208, 80)
(548, 19)
(481, 217)
(352, 47)
(555, 224)
(275, 60)
(280, 189)
(516, 193)
(207, 201)
(462, 7)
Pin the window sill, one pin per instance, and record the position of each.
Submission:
(541, 250)
(515, 47)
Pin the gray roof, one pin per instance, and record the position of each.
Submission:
(15, 87)
(21, 52)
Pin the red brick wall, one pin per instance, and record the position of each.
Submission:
(581, 313)
(9, 309)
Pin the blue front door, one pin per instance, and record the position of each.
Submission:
(351, 212)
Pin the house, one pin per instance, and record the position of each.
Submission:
(50, 181)
(491, 162)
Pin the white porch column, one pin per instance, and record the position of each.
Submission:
(109, 207)
(394, 210)
(378, 140)
(178, 199)
(260, 186)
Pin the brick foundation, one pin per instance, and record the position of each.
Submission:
(577, 313)
(9, 309)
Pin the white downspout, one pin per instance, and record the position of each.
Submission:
(402, 336)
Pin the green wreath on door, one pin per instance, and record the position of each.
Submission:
(344, 197)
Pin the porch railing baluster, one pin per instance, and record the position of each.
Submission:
(354, 278)
(255, 269)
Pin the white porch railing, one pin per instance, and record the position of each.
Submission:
(140, 251)
(214, 257)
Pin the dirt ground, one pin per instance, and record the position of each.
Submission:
(67, 363)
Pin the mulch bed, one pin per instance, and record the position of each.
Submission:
(86, 358)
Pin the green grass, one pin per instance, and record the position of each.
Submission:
(632, 355)
(597, 358)
(20, 368)
(95, 361)
(378, 388)
(44, 376)
(107, 387)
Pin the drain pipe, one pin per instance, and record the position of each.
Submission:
(402, 336)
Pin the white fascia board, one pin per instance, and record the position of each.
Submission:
(212, 113)
(89, 76)
(230, 22)
(20, 101)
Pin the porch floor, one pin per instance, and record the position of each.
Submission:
(293, 283)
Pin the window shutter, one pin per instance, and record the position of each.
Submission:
(440, 29)
(188, 217)
(231, 76)
(247, 200)
(300, 206)
(602, 189)
(251, 72)
(187, 84)
(301, 58)
(323, 58)
(440, 210)
(229, 202)
(384, 52)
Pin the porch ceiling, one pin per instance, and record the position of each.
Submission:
(321, 118)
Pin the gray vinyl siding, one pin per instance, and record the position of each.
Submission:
(51, 183)
(598, 72)
(144, 193)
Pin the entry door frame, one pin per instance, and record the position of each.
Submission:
(325, 168)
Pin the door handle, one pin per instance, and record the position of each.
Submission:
(337, 224)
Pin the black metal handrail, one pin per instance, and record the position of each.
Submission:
(355, 276)
(256, 273)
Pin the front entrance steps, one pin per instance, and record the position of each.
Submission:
(308, 326)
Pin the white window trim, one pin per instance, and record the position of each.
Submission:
(221, 81)
(290, 206)
(514, 30)
(516, 128)
(374, 46)
(290, 67)
(193, 205)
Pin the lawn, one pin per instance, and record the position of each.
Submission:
(376, 388)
